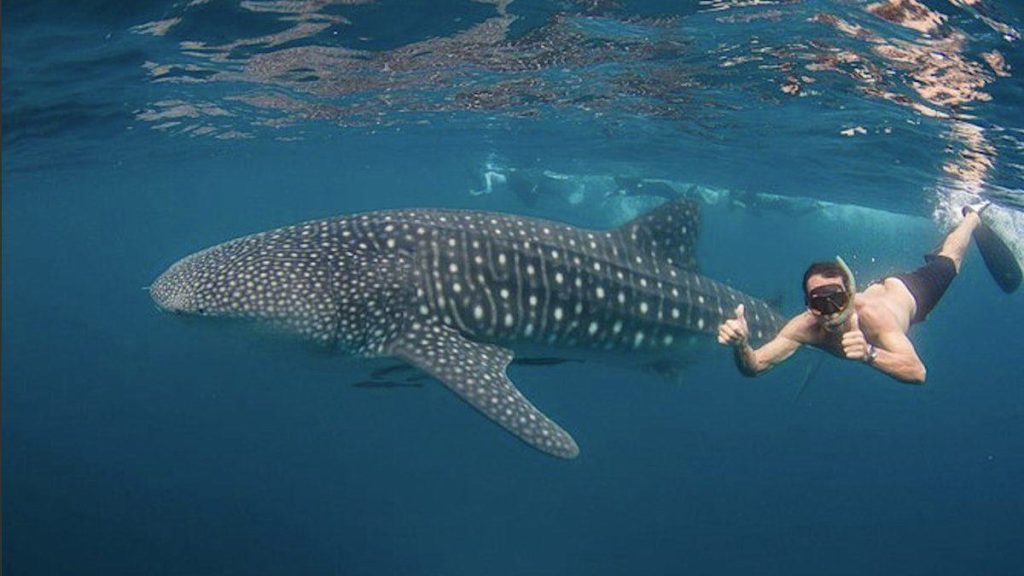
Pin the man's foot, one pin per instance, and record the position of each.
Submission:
(1000, 260)
(976, 208)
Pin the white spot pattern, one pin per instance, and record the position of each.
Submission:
(347, 282)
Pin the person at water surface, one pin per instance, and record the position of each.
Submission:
(874, 330)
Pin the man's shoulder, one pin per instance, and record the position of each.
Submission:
(802, 328)
(887, 310)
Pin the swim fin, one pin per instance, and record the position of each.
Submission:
(1002, 264)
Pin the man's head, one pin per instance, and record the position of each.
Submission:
(826, 289)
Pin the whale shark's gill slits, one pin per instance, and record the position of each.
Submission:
(492, 311)
(544, 287)
(374, 299)
(462, 273)
(496, 259)
(465, 259)
(564, 312)
(425, 289)
(517, 273)
(498, 288)
(452, 284)
(435, 281)
(477, 270)
(526, 270)
(576, 273)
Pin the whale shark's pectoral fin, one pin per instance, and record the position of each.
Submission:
(476, 372)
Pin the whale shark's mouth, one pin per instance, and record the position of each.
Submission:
(174, 305)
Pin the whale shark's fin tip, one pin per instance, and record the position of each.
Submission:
(476, 372)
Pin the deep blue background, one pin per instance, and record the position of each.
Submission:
(135, 442)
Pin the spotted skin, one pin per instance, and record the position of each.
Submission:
(452, 291)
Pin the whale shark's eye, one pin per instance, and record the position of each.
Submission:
(201, 311)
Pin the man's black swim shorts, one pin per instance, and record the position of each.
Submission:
(928, 283)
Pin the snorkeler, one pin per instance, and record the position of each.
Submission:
(873, 327)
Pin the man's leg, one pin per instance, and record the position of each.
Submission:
(957, 241)
(928, 283)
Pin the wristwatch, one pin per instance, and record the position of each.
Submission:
(872, 354)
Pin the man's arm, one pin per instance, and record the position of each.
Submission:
(895, 354)
(751, 362)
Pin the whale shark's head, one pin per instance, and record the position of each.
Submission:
(198, 284)
(271, 279)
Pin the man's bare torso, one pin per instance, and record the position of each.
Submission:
(885, 306)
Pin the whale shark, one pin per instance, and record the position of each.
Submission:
(456, 293)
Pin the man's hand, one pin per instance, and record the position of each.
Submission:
(855, 345)
(734, 332)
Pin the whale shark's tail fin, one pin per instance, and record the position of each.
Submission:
(669, 231)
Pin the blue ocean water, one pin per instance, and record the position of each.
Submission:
(134, 134)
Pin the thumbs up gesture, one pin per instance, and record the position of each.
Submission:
(734, 332)
(855, 345)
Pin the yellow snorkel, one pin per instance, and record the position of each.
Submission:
(835, 324)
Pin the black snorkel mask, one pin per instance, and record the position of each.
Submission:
(829, 299)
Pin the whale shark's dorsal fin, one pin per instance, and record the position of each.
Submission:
(669, 231)
(476, 372)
